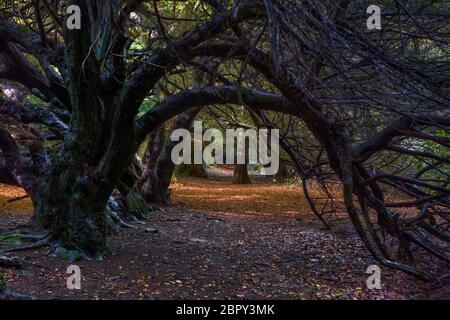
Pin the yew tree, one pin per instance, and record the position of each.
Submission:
(364, 113)
(89, 84)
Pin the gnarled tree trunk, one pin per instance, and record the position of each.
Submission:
(158, 164)
(150, 183)
(240, 174)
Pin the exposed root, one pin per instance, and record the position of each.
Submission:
(442, 281)
(38, 244)
(127, 225)
(11, 295)
(7, 262)
(22, 237)
(138, 211)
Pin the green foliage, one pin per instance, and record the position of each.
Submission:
(174, 178)
(23, 28)
(137, 206)
(292, 182)
(147, 104)
(35, 100)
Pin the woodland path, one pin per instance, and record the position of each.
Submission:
(228, 244)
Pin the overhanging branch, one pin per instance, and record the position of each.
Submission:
(187, 99)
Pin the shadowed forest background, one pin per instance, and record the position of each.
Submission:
(86, 169)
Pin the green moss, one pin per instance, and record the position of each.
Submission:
(22, 28)
(138, 206)
(12, 238)
(68, 255)
(2, 283)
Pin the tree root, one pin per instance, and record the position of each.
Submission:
(124, 224)
(47, 240)
(11, 295)
(22, 237)
(135, 205)
(112, 211)
(7, 262)
(116, 209)
(7, 294)
(442, 281)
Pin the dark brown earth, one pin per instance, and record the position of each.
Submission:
(210, 248)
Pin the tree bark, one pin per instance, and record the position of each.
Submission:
(68, 206)
(101, 93)
(6, 177)
(159, 167)
(193, 170)
(282, 173)
(240, 174)
(150, 185)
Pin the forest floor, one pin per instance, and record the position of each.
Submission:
(218, 241)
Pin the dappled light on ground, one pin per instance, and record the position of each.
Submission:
(258, 198)
(218, 241)
(12, 201)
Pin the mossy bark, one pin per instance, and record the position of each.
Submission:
(193, 170)
(73, 213)
(159, 167)
(282, 173)
(240, 174)
(151, 184)
(3, 286)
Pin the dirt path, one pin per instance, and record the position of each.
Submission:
(231, 253)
